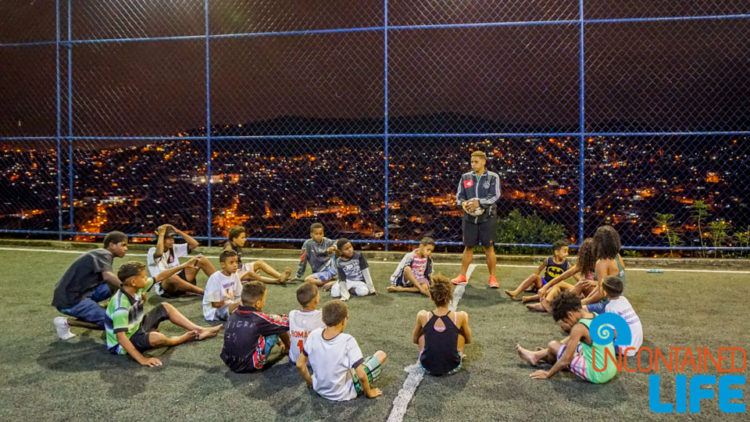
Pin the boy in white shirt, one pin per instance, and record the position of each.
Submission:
(340, 372)
(616, 303)
(166, 254)
(223, 289)
(305, 320)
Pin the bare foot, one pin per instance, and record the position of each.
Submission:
(536, 307)
(527, 355)
(392, 289)
(328, 285)
(208, 332)
(285, 275)
(512, 296)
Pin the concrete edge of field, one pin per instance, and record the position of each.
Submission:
(723, 263)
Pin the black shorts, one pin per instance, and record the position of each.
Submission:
(482, 234)
(150, 323)
(169, 293)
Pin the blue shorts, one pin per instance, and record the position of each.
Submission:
(597, 307)
(222, 314)
(403, 282)
(326, 275)
(88, 309)
(544, 281)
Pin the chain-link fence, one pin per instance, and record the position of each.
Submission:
(274, 114)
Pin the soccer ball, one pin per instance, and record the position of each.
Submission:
(477, 212)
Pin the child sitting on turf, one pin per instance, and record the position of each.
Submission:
(251, 334)
(415, 270)
(575, 352)
(318, 251)
(339, 370)
(235, 242)
(305, 320)
(441, 334)
(620, 305)
(553, 266)
(128, 331)
(222, 294)
(585, 264)
(166, 254)
(354, 272)
(609, 262)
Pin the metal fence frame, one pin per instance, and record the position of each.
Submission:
(64, 40)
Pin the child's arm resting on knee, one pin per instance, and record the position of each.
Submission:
(564, 276)
(124, 341)
(371, 393)
(302, 369)
(111, 279)
(174, 270)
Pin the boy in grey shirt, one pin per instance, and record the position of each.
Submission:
(318, 251)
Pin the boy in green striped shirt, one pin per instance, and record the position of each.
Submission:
(576, 352)
(129, 331)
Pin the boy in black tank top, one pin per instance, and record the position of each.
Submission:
(441, 334)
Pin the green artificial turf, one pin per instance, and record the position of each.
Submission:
(48, 379)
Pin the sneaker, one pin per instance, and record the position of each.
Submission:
(493, 282)
(63, 328)
(459, 280)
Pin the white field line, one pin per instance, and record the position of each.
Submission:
(405, 394)
(374, 261)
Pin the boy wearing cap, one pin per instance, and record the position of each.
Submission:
(166, 254)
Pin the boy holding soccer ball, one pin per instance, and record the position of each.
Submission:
(478, 191)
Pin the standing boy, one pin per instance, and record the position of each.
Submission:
(340, 372)
(414, 272)
(166, 254)
(478, 192)
(86, 282)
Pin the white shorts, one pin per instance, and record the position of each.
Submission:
(356, 289)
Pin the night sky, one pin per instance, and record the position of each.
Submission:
(643, 76)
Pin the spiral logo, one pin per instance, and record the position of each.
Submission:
(608, 327)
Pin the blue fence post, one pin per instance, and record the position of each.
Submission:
(208, 124)
(57, 119)
(71, 228)
(581, 121)
(385, 118)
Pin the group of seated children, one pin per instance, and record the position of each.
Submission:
(308, 336)
(599, 290)
(315, 339)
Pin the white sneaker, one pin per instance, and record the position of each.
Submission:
(63, 328)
